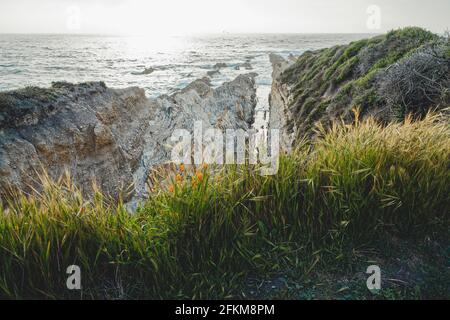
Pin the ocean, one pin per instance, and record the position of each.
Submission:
(119, 61)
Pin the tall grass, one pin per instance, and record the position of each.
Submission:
(203, 235)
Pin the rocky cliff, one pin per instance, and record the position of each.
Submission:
(281, 116)
(111, 136)
(403, 72)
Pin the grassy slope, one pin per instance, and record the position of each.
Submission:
(327, 84)
(361, 195)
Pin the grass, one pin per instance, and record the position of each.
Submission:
(332, 208)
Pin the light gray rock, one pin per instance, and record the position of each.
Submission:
(145, 72)
(280, 114)
(112, 136)
(220, 65)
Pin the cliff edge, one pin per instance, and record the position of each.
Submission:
(406, 71)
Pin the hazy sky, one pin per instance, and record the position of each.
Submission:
(212, 16)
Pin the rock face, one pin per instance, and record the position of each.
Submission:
(281, 117)
(230, 106)
(403, 72)
(112, 136)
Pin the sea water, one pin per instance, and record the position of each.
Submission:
(39, 60)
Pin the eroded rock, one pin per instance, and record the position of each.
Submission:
(280, 114)
(112, 136)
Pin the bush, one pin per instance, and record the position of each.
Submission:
(419, 81)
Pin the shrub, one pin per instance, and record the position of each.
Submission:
(419, 81)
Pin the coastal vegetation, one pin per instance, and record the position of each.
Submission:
(359, 195)
(405, 71)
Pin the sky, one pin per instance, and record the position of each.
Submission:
(161, 17)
